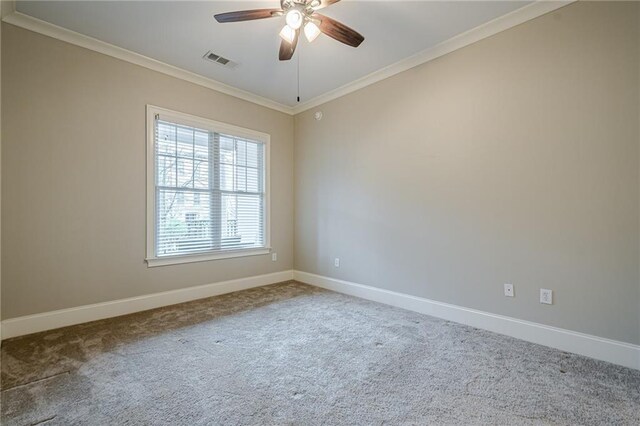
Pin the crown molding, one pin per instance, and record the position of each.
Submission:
(502, 23)
(7, 7)
(45, 28)
(495, 26)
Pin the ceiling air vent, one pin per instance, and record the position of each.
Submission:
(210, 56)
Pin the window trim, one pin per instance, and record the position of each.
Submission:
(195, 121)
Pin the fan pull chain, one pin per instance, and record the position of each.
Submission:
(298, 65)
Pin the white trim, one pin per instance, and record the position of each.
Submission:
(50, 320)
(625, 354)
(7, 7)
(502, 23)
(216, 126)
(495, 26)
(192, 258)
(203, 122)
(613, 351)
(42, 27)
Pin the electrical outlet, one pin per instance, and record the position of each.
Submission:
(508, 290)
(546, 296)
(274, 257)
(336, 262)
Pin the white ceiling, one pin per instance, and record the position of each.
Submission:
(179, 33)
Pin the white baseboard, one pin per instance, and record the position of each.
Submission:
(20, 326)
(613, 351)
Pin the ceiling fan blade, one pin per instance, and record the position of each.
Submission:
(323, 4)
(247, 15)
(338, 31)
(287, 49)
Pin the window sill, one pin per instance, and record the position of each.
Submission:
(191, 258)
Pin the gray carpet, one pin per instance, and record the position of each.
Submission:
(294, 354)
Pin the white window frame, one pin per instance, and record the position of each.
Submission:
(203, 123)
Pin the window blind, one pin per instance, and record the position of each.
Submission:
(209, 191)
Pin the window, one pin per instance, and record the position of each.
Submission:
(207, 189)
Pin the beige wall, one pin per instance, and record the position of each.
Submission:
(73, 176)
(1, 25)
(513, 160)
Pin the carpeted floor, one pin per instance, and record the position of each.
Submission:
(295, 354)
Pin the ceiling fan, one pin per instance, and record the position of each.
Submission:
(299, 14)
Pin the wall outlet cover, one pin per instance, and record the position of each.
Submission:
(508, 290)
(274, 257)
(336, 262)
(546, 296)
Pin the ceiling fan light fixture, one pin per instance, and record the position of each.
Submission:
(294, 18)
(298, 14)
(288, 34)
(311, 31)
